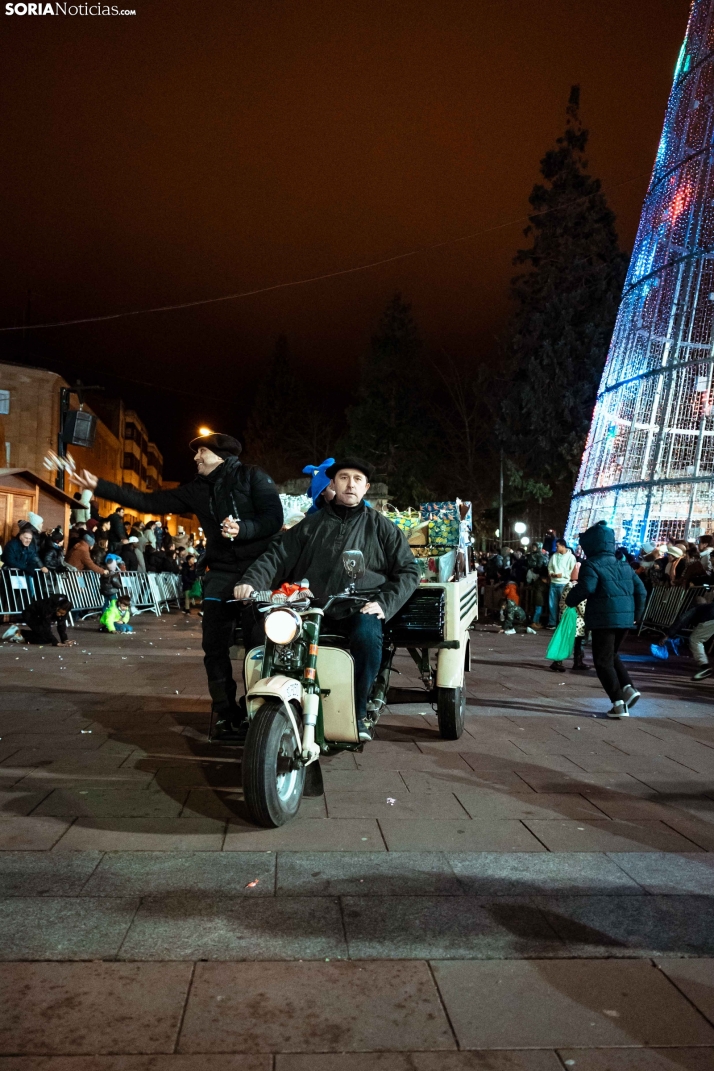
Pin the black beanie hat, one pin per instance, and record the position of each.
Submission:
(223, 445)
(350, 463)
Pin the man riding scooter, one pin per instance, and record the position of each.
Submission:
(313, 550)
(240, 511)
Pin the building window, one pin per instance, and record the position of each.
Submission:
(131, 462)
(4, 402)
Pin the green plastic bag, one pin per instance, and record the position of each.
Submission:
(563, 639)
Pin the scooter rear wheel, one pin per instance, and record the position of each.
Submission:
(272, 778)
(450, 704)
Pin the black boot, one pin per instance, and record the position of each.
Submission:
(579, 662)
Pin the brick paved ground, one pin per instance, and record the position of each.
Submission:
(539, 895)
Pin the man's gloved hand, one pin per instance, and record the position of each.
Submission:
(373, 608)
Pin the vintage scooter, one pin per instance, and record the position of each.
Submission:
(300, 697)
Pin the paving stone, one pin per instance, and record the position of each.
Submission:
(307, 1007)
(387, 781)
(45, 874)
(308, 835)
(63, 928)
(419, 927)
(370, 804)
(625, 925)
(208, 927)
(451, 781)
(208, 803)
(47, 777)
(636, 1059)
(135, 1063)
(20, 801)
(695, 978)
(365, 874)
(566, 1004)
(455, 836)
(69, 1008)
(114, 802)
(625, 809)
(181, 873)
(595, 835)
(196, 775)
(533, 873)
(69, 760)
(397, 757)
(30, 834)
(700, 833)
(144, 834)
(484, 804)
(660, 872)
(420, 1061)
(588, 785)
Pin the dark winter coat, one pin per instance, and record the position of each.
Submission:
(313, 550)
(614, 592)
(110, 585)
(128, 556)
(53, 558)
(188, 575)
(16, 556)
(117, 528)
(162, 562)
(40, 615)
(250, 496)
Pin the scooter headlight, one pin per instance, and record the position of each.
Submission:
(282, 626)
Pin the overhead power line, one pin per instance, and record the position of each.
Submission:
(310, 279)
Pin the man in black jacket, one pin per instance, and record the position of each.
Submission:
(240, 511)
(313, 550)
(117, 530)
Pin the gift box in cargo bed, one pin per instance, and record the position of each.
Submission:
(448, 521)
(436, 564)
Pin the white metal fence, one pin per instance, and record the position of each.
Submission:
(149, 591)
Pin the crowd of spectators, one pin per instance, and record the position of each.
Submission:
(537, 578)
(102, 545)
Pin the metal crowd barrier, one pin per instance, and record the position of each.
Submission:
(664, 605)
(149, 591)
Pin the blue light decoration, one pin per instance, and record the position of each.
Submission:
(648, 465)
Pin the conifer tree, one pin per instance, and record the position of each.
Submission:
(391, 425)
(567, 301)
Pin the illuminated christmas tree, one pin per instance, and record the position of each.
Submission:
(648, 466)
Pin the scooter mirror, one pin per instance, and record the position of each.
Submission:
(353, 561)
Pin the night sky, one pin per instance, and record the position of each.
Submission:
(203, 148)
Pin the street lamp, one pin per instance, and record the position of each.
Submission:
(204, 431)
(525, 541)
(519, 528)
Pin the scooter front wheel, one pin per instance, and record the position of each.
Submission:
(273, 779)
(450, 706)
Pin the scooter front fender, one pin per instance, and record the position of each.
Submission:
(286, 689)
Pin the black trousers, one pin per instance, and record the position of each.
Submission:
(220, 617)
(611, 673)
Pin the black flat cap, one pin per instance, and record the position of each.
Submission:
(350, 463)
(223, 445)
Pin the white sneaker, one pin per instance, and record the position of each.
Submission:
(618, 710)
(531, 631)
(509, 632)
(631, 695)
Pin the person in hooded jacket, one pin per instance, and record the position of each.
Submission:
(239, 509)
(41, 615)
(129, 555)
(614, 599)
(52, 551)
